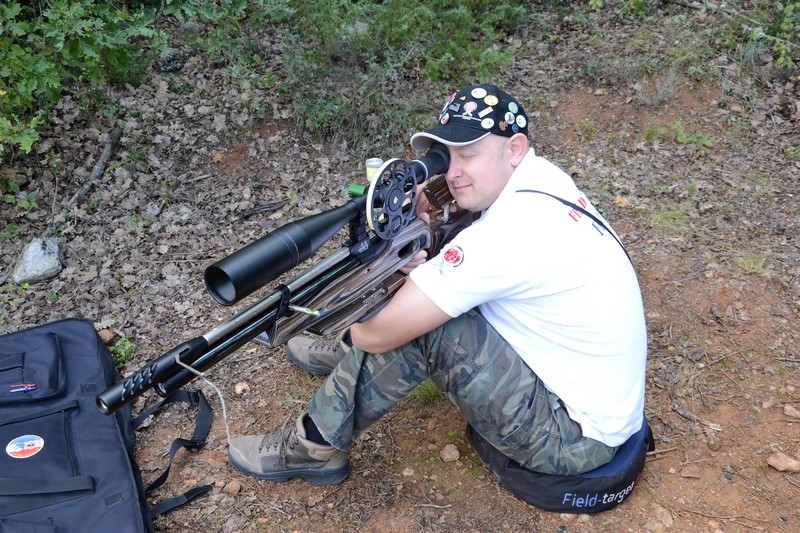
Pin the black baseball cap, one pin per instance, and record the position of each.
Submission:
(471, 114)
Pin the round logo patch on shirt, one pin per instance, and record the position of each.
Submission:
(453, 256)
(25, 446)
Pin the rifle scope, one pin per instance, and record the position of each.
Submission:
(262, 261)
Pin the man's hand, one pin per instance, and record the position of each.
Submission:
(419, 258)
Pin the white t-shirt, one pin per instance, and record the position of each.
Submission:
(559, 290)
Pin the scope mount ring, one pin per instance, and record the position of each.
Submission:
(391, 198)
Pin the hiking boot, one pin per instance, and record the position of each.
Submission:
(318, 356)
(287, 454)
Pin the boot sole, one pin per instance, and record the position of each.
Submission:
(313, 476)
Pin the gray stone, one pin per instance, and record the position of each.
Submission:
(40, 260)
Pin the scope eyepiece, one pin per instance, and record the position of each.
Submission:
(435, 161)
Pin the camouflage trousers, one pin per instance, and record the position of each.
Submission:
(482, 375)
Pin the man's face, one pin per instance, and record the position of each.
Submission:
(478, 172)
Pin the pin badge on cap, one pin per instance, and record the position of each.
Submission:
(490, 100)
(478, 92)
(469, 107)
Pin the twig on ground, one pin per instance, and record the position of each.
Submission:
(276, 508)
(722, 517)
(270, 207)
(55, 196)
(99, 167)
(665, 450)
(694, 418)
(434, 506)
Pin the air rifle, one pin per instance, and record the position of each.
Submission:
(349, 285)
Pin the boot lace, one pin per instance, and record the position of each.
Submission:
(325, 345)
(279, 440)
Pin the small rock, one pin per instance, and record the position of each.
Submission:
(408, 472)
(233, 488)
(783, 463)
(106, 335)
(788, 410)
(712, 440)
(241, 387)
(736, 108)
(449, 453)
(40, 260)
(664, 516)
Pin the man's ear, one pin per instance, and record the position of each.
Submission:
(518, 144)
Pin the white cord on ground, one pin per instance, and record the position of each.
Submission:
(219, 393)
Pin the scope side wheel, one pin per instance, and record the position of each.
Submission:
(391, 198)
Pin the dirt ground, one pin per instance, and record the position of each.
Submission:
(699, 176)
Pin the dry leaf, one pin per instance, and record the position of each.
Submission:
(620, 201)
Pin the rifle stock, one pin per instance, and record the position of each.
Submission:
(343, 288)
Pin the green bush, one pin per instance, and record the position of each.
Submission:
(354, 61)
(783, 31)
(46, 44)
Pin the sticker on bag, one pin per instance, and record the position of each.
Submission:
(25, 446)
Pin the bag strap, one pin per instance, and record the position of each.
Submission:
(41, 492)
(582, 211)
(201, 431)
